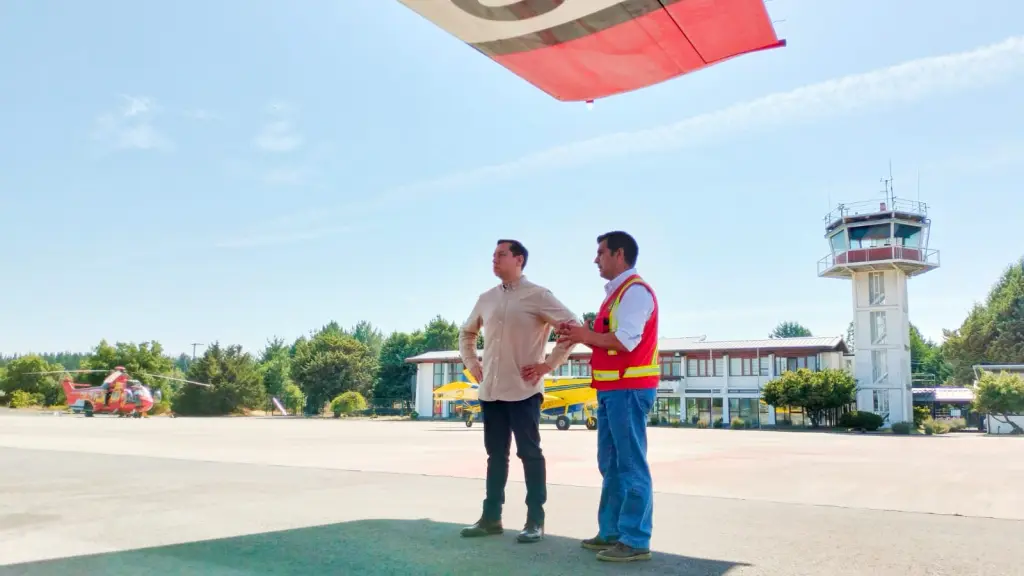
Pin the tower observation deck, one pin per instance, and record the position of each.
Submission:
(875, 236)
(879, 245)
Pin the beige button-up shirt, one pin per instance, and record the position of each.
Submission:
(516, 321)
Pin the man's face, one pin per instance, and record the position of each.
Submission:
(503, 262)
(607, 264)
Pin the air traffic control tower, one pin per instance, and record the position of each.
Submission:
(879, 245)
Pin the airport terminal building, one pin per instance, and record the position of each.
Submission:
(701, 381)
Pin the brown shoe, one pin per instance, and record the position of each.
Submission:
(483, 528)
(597, 543)
(622, 553)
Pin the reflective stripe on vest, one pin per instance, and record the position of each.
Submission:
(631, 372)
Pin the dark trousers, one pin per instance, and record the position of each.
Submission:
(521, 419)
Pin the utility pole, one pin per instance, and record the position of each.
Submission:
(194, 344)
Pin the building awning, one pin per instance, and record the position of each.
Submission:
(959, 395)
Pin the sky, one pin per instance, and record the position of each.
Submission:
(234, 171)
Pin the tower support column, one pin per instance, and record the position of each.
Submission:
(882, 349)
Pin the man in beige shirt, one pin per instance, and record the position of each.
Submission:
(517, 317)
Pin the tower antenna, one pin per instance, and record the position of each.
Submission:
(892, 189)
(890, 195)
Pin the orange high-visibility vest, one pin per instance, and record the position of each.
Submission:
(614, 370)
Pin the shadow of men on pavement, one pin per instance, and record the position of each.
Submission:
(370, 547)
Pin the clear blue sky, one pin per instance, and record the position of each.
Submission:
(235, 170)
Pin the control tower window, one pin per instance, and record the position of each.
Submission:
(839, 243)
(873, 236)
(907, 235)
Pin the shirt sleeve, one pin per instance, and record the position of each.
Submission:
(552, 311)
(468, 335)
(635, 308)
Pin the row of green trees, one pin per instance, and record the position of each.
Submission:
(307, 372)
(317, 367)
(826, 395)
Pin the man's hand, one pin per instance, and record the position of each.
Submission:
(478, 374)
(571, 332)
(534, 372)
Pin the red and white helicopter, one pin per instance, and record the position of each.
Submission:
(119, 394)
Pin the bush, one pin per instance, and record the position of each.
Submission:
(702, 424)
(859, 420)
(414, 415)
(954, 424)
(23, 399)
(901, 428)
(292, 398)
(737, 423)
(921, 413)
(160, 408)
(817, 392)
(935, 427)
(347, 403)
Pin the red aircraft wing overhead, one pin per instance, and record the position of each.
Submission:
(588, 49)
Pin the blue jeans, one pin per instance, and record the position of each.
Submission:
(626, 510)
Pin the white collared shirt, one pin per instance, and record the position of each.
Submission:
(635, 308)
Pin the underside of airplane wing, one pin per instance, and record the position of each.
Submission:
(578, 50)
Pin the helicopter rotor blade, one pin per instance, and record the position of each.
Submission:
(67, 371)
(179, 380)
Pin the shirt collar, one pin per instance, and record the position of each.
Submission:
(617, 281)
(513, 286)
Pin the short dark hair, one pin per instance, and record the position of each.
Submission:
(618, 240)
(517, 249)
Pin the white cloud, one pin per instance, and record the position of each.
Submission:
(994, 157)
(902, 83)
(278, 134)
(278, 239)
(131, 127)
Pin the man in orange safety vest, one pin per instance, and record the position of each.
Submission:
(624, 364)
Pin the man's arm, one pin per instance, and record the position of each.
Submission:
(467, 341)
(554, 313)
(635, 308)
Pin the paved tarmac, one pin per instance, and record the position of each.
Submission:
(292, 496)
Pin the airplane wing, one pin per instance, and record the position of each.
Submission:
(586, 49)
(551, 401)
(457, 391)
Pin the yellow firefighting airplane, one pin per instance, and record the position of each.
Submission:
(563, 395)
